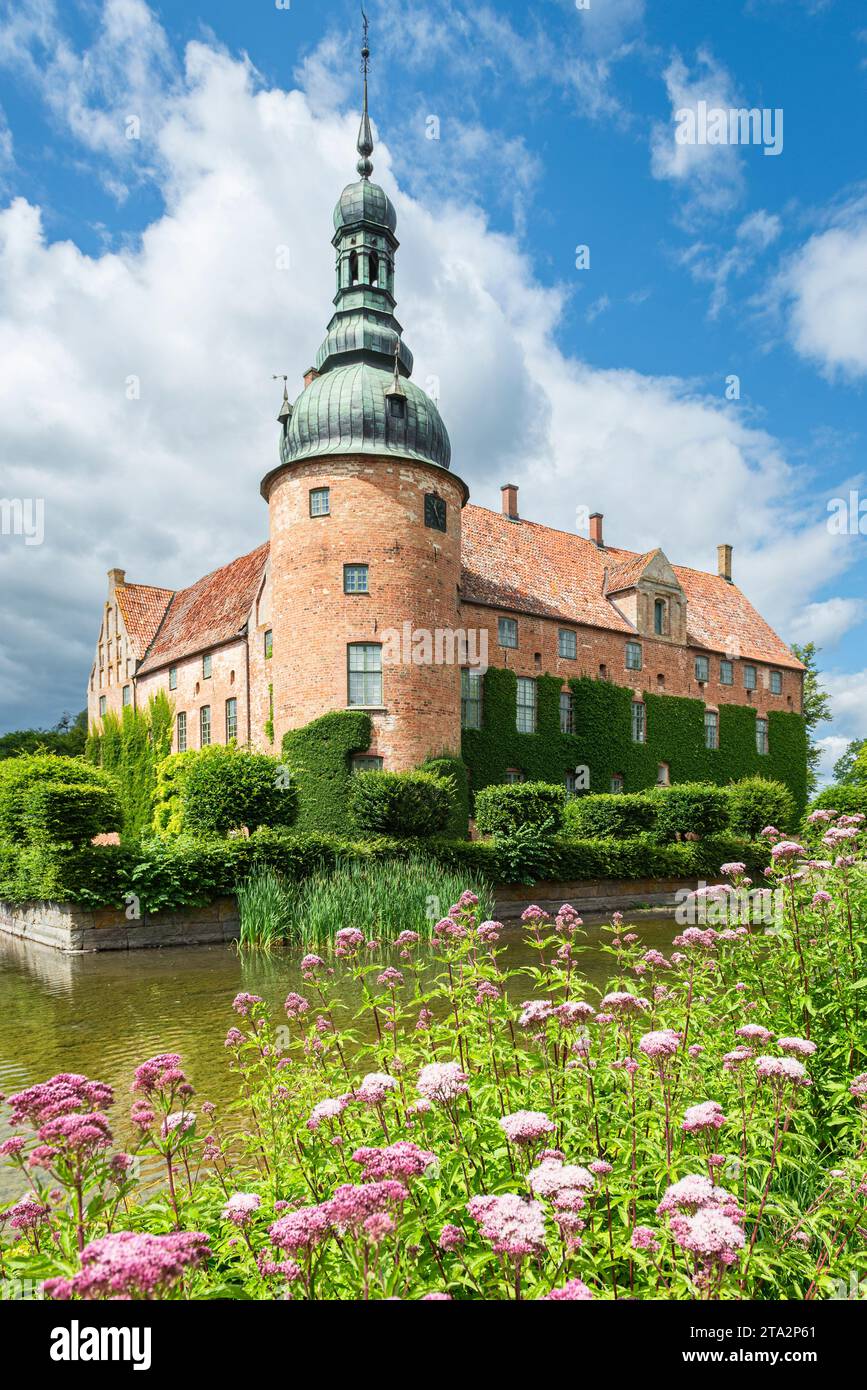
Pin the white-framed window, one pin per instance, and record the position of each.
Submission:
(617, 783)
(231, 719)
(471, 699)
(364, 661)
(639, 722)
(507, 632)
(749, 678)
(366, 762)
(761, 736)
(127, 694)
(206, 667)
(526, 721)
(711, 729)
(513, 776)
(173, 678)
(633, 656)
(702, 670)
(205, 726)
(567, 643)
(571, 783)
(320, 501)
(355, 579)
(567, 712)
(776, 683)
(182, 731)
(726, 673)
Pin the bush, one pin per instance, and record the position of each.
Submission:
(70, 813)
(444, 765)
(130, 749)
(502, 810)
(755, 802)
(692, 808)
(846, 799)
(171, 777)
(319, 756)
(401, 803)
(588, 817)
(236, 790)
(20, 777)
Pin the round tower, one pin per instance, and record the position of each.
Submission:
(365, 514)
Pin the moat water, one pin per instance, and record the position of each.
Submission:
(102, 1014)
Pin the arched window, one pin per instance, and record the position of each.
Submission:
(374, 268)
(353, 267)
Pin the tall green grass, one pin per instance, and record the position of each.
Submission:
(383, 897)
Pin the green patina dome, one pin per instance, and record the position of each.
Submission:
(347, 411)
(364, 202)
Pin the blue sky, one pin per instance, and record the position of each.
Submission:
(599, 388)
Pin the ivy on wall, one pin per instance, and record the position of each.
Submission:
(319, 756)
(131, 748)
(602, 740)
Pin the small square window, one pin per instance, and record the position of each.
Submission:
(355, 579)
(182, 732)
(711, 729)
(761, 736)
(776, 683)
(435, 511)
(567, 712)
(749, 678)
(366, 762)
(639, 722)
(507, 632)
(320, 501)
(269, 644)
(633, 656)
(513, 776)
(617, 784)
(702, 670)
(206, 668)
(726, 673)
(526, 720)
(173, 678)
(567, 643)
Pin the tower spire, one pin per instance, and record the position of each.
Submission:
(365, 135)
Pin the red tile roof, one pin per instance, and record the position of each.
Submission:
(208, 613)
(535, 569)
(142, 608)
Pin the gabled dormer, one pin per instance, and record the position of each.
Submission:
(649, 595)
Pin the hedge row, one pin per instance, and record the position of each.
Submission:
(167, 874)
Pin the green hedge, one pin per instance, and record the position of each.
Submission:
(401, 803)
(846, 798)
(503, 810)
(446, 765)
(756, 802)
(70, 813)
(621, 816)
(693, 808)
(22, 777)
(240, 789)
(319, 757)
(602, 740)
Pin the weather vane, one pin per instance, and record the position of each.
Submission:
(365, 50)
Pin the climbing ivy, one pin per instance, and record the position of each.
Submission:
(602, 741)
(131, 748)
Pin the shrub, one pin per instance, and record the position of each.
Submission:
(319, 757)
(502, 810)
(755, 802)
(691, 808)
(70, 813)
(401, 803)
(845, 799)
(171, 776)
(239, 789)
(621, 816)
(19, 778)
(130, 749)
(445, 765)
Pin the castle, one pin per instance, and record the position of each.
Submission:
(372, 534)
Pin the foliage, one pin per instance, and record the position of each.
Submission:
(849, 767)
(67, 737)
(691, 809)
(401, 803)
(447, 765)
(533, 805)
(504, 1131)
(601, 816)
(817, 708)
(240, 789)
(131, 748)
(264, 909)
(849, 798)
(602, 741)
(319, 756)
(70, 813)
(21, 776)
(756, 802)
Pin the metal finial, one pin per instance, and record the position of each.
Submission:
(285, 414)
(365, 135)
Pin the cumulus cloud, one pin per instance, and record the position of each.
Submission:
(138, 399)
(710, 177)
(826, 623)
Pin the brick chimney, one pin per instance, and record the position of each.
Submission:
(310, 375)
(116, 579)
(510, 501)
(724, 562)
(596, 530)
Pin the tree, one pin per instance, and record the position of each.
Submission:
(66, 739)
(851, 766)
(817, 707)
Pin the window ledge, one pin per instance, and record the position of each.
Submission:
(370, 709)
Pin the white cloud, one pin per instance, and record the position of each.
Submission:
(709, 176)
(822, 290)
(827, 622)
(166, 486)
(716, 267)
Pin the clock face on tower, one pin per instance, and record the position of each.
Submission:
(434, 511)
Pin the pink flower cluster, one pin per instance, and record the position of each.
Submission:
(354, 1208)
(707, 1115)
(375, 1087)
(526, 1126)
(513, 1226)
(663, 1043)
(443, 1082)
(241, 1208)
(781, 1070)
(65, 1094)
(574, 1291)
(130, 1265)
(402, 1161)
(622, 1002)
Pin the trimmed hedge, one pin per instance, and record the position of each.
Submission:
(22, 777)
(504, 810)
(401, 803)
(693, 808)
(621, 815)
(70, 813)
(239, 789)
(756, 802)
(319, 758)
(446, 765)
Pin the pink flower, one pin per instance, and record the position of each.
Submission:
(799, 1047)
(348, 941)
(526, 1126)
(781, 1069)
(401, 1160)
(695, 1192)
(295, 1005)
(663, 1043)
(710, 1234)
(442, 1081)
(513, 1227)
(621, 1002)
(707, 1115)
(132, 1265)
(243, 1003)
(390, 977)
(787, 849)
(489, 932)
(553, 1178)
(162, 1072)
(451, 1238)
(330, 1109)
(644, 1238)
(352, 1205)
(241, 1208)
(535, 1011)
(754, 1032)
(573, 1291)
(375, 1087)
(65, 1094)
(301, 1230)
(858, 1088)
(27, 1214)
